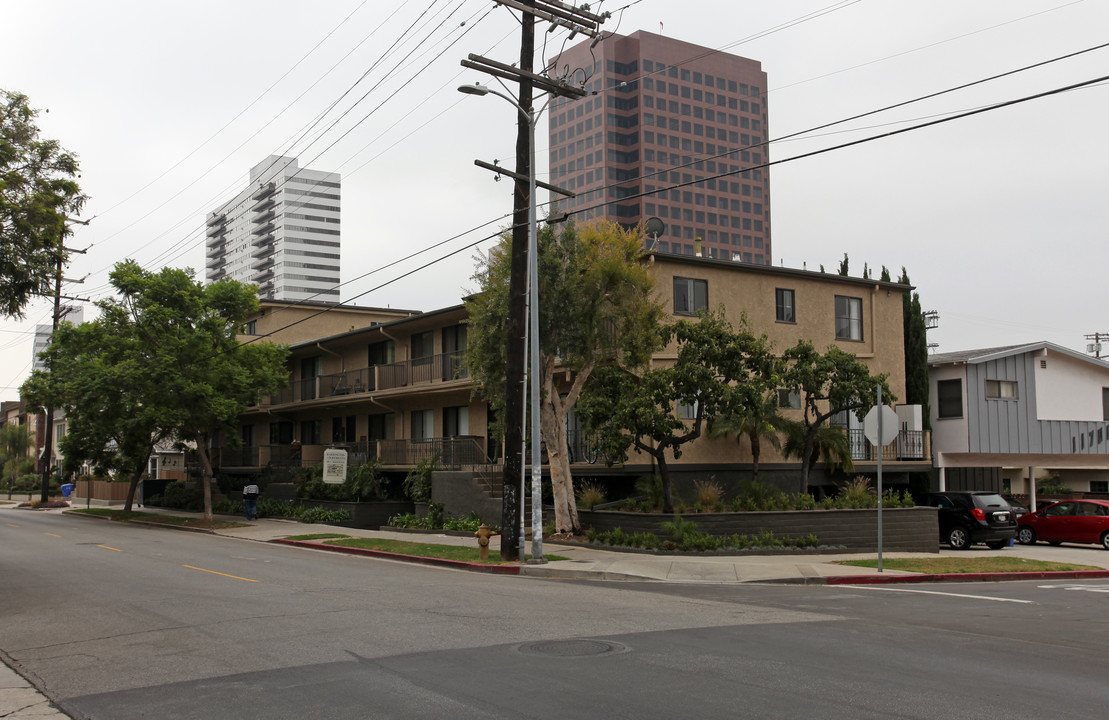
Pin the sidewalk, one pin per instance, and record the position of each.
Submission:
(599, 564)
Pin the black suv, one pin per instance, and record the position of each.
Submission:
(966, 518)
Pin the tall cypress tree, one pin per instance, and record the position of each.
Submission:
(916, 352)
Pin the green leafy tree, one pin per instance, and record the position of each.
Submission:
(830, 383)
(38, 189)
(658, 409)
(595, 307)
(85, 368)
(844, 265)
(15, 441)
(181, 372)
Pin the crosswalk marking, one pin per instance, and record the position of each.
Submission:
(1087, 588)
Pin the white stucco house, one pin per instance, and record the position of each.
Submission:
(1018, 413)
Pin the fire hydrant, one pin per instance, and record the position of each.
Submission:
(483, 534)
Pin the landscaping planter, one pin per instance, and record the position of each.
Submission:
(903, 529)
(365, 515)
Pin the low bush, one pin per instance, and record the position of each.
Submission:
(323, 515)
(183, 496)
(686, 535)
(708, 495)
(590, 495)
(437, 519)
(417, 483)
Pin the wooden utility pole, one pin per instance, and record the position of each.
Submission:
(576, 20)
(48, 431)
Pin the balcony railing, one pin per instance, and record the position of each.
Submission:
(909, 445)
(448, 453)
(421, 371)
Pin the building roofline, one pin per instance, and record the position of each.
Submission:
(319, 304)
(978, 356)
(415, 317)
(779, 271)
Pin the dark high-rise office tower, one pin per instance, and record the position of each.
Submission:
(670, 130)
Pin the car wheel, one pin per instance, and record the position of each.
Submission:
(958, 538)
(1105, 540)
(1026, 536)
(997, 544)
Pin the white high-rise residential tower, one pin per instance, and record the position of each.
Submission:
(281, 233)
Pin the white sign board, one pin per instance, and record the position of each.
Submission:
(890, 425)
(334, 466)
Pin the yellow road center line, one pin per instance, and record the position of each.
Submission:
(11, 524)
(53, 535)
(234, 577)
(109, 548)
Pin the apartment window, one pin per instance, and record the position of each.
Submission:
(382, 353)
(687, 411)
(281, 433)
(1099, 486)
(423, 424)
(783, 301)
(1105, 403)
(790, 399)
(343, 429)
(456, 421)
(949, 393)
(310, 432)
(382, 426)
(251, 327)
(849, 318)
(690, 295)
(1001, 390)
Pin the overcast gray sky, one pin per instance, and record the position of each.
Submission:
(1000, 218)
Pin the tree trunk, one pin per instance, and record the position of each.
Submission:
(139, 468)
(558, 459)
(664, 474)
(806, 460)
(205, 477)
(756, 450)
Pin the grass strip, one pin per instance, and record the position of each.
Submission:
(959, 566)
(317, 536)
(174, 520)
(461, 553)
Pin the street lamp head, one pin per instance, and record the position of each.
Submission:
(473, 89)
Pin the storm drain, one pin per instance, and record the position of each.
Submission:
(572, 648)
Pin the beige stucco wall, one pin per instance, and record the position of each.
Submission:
(748, 289)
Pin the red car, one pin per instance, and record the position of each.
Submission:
(1076, 521)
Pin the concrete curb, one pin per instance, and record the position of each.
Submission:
(441, 562)
(145, 523)
(966, 577)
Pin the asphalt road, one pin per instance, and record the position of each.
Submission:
(118, 621)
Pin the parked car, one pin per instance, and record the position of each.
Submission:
(1018, 509)
(1076, 521)
(967, 517)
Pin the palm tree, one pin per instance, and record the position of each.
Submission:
(830, 446)
(755, 422)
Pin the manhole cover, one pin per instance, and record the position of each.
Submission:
(572, 648)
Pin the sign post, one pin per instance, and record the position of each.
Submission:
(880, 428)
(334, 466)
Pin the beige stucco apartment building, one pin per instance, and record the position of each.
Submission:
(392, 384)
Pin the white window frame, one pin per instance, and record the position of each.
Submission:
(1001, 390)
